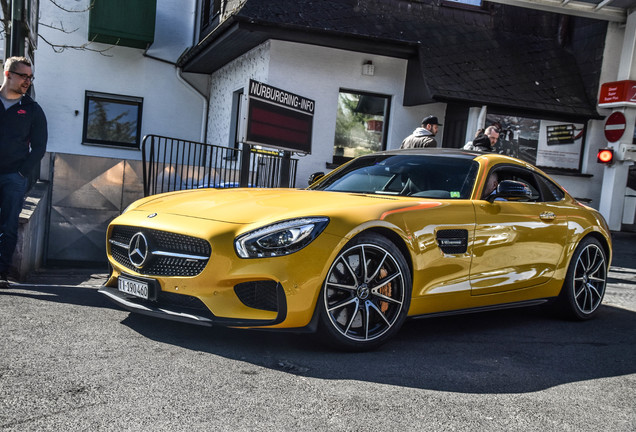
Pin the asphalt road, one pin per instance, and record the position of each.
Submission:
(69, 360)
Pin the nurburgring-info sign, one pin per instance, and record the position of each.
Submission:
(277, 118)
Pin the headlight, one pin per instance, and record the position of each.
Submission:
(281, 238)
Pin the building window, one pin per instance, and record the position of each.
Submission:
(235, 121)
(361, 124)
(112, 120)
(210, 11)
(546, 143)
(461, 3)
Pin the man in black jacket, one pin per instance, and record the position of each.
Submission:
(484, 142)
(23, 136)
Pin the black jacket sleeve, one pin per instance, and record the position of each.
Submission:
(39, 138)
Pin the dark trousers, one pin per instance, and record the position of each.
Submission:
(12, 190)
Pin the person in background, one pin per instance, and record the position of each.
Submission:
(484, 142)
(23, 137)
(423, 136)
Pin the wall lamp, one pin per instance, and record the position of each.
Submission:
(368, 68)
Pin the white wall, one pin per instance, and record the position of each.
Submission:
(170, 107)
(317, 73)
(224, 82)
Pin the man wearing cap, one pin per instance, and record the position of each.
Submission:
(423, 136)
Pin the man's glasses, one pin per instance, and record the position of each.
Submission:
(24, 76)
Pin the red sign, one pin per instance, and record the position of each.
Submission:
(619, 93)
(374, 125)
(615, 126)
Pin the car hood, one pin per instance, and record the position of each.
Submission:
(244, 206)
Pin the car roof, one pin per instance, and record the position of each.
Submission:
(460, 153)
(484, 159)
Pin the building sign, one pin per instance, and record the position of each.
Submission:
(567, 153)
(619, 93)
(560, 134)
(278, 118)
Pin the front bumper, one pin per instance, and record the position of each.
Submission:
(189, 309)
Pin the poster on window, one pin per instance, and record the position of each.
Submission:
(559, 145)
(545, 143)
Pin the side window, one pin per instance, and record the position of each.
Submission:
(516, 174)
(549, 190)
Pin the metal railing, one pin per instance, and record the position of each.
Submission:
(171, 164)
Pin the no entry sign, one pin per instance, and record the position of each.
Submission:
(615, 126)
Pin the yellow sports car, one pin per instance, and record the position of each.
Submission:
(385, 237)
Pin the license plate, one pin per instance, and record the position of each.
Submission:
(133, 287)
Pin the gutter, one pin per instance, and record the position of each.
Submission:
(204, 98)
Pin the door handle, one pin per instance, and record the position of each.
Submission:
(547, 215)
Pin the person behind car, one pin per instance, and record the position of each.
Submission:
(423, 136)
(484, 142)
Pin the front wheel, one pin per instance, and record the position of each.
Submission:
(366, 294)
(584, 285)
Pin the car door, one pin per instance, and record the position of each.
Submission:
(517, 244)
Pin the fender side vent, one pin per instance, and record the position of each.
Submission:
(453, 241)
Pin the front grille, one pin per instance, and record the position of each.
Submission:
(170, 245)
(258, 294)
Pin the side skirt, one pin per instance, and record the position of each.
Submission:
(483, 309)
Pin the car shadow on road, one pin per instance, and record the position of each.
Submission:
(81, 296)
(514, 351)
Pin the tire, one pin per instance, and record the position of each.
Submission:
(362, 306)
(584, 285)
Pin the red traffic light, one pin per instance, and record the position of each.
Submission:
(605, 156)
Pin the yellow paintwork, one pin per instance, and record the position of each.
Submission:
(513, 255)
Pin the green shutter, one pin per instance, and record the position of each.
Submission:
(128, 23)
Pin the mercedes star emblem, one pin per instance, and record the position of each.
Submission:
(138, 250)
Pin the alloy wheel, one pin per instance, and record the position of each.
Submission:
(590, 274)
(364, 292)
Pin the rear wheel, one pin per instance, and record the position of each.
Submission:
(584, 285)
(366, 294)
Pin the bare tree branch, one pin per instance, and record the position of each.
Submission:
(71, 10)
(58, 48)
(60, 28)
(84, 47)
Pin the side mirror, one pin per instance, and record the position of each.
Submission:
(313, 178)
(512, 190)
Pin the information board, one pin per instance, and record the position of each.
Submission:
(277, 118)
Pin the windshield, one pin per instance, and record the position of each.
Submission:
(424, 176)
